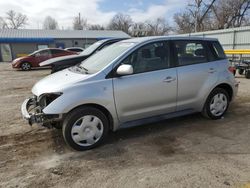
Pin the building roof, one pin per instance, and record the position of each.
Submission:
(60, 34)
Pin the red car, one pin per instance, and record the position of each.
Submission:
(33, 60)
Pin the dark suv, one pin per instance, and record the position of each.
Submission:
(58, 64)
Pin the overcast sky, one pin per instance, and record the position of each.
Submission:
(96, 11)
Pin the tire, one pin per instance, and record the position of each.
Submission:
(25, 66)
(210, 108)
(85, 128)
(241, 71)
(247, 74)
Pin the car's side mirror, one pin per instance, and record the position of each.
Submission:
(124, 69)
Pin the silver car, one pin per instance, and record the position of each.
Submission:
(132, 82)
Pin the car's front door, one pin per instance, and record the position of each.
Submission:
(151, 90)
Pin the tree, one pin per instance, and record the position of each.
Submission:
(195, 16)
(121, 22)
(3, 24)
(79, 23)
(158, 27)
(230, 13)
(50, 23)
(202, 15)
(184, 23)
(95, 27)
(15, 20)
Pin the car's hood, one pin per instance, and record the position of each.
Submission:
(20, 58)
(57, 82)
(53, 60)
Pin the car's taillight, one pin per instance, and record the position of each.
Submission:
(232, 70)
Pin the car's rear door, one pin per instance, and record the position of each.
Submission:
(151, 90)
(196, 72)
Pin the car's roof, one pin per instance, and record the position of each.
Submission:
(73, 48)
(145, 39)
(49, 49)
(112, 39)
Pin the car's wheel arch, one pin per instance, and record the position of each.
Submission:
(227, 88)
(102, 109)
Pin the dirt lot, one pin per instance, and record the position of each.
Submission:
(183, 152)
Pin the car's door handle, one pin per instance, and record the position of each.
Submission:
(211, 70)
(169, 79)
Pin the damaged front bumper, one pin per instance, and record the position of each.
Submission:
(33, 113)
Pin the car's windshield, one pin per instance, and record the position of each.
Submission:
(33, 53)
(100, 60)
(92, 48)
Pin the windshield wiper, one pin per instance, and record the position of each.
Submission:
(81, 68)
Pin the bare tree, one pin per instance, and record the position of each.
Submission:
(79, 23)
(121, 22)
(230, 13)
(202, 15)
(95, 27)
(158, 27)
(184, 23)
(50, 23)
(195, 16)
(3, 24)
(15, 20)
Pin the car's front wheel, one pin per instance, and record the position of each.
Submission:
(216, 104)
(25, 66)
(85, 128)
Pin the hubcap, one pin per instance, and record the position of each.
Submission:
(87, 130)
(26, 66)
(218, 104)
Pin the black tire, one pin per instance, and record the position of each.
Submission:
(25, 66)
(206, 109)
(247, 74)
(74, 116)
(241, 71)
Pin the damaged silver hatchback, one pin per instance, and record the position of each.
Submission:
(133, 82)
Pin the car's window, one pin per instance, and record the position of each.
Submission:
(151, 57)
(55, 51)
(217, 50)
(45, 53)
(92, 48)
(76, 50)
(190, 52)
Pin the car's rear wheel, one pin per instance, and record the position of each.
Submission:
(241, 71)
(25, 66)
(247, 74)
(85, 128)
(216, 104)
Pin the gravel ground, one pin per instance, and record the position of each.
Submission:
(183, 152)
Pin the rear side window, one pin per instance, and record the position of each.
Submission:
(55, 51)
(190, 52)
(217, 50)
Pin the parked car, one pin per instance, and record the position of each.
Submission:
(132, 82)
(61, 63)
(33, 60)
(75, 49)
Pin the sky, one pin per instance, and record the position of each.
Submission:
(95, 11)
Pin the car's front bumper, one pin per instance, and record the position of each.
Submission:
(32, 112)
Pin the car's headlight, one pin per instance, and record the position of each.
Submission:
(45, 99)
